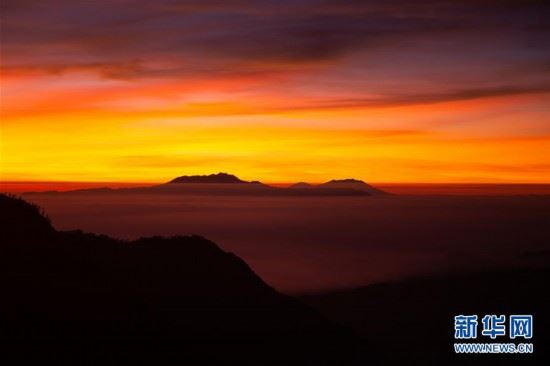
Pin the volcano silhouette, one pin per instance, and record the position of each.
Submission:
(219, 178)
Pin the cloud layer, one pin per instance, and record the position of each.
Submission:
(392, 49)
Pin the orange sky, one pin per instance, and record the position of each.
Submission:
(399, 144)
(82, 109)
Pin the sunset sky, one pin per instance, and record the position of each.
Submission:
(280, 91)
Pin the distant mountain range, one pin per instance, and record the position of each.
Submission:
(228, 184)
(77, 298)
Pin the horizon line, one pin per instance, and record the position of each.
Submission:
(277, 182)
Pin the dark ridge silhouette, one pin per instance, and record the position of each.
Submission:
(77, 298)
(20, 218)
(411, 322)
(216, 189)
(219, 178)
(351, 183)
(228, 184)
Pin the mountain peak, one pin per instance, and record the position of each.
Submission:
(347, 180)
(212, 178)
(301, 185)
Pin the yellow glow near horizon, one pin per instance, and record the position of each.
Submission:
(77, 127)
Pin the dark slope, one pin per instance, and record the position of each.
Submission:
(78, 298)
(411, 322)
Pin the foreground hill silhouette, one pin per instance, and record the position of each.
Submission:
(77, 298)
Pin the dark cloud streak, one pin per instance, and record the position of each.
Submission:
(124, 39)
(413, 99)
